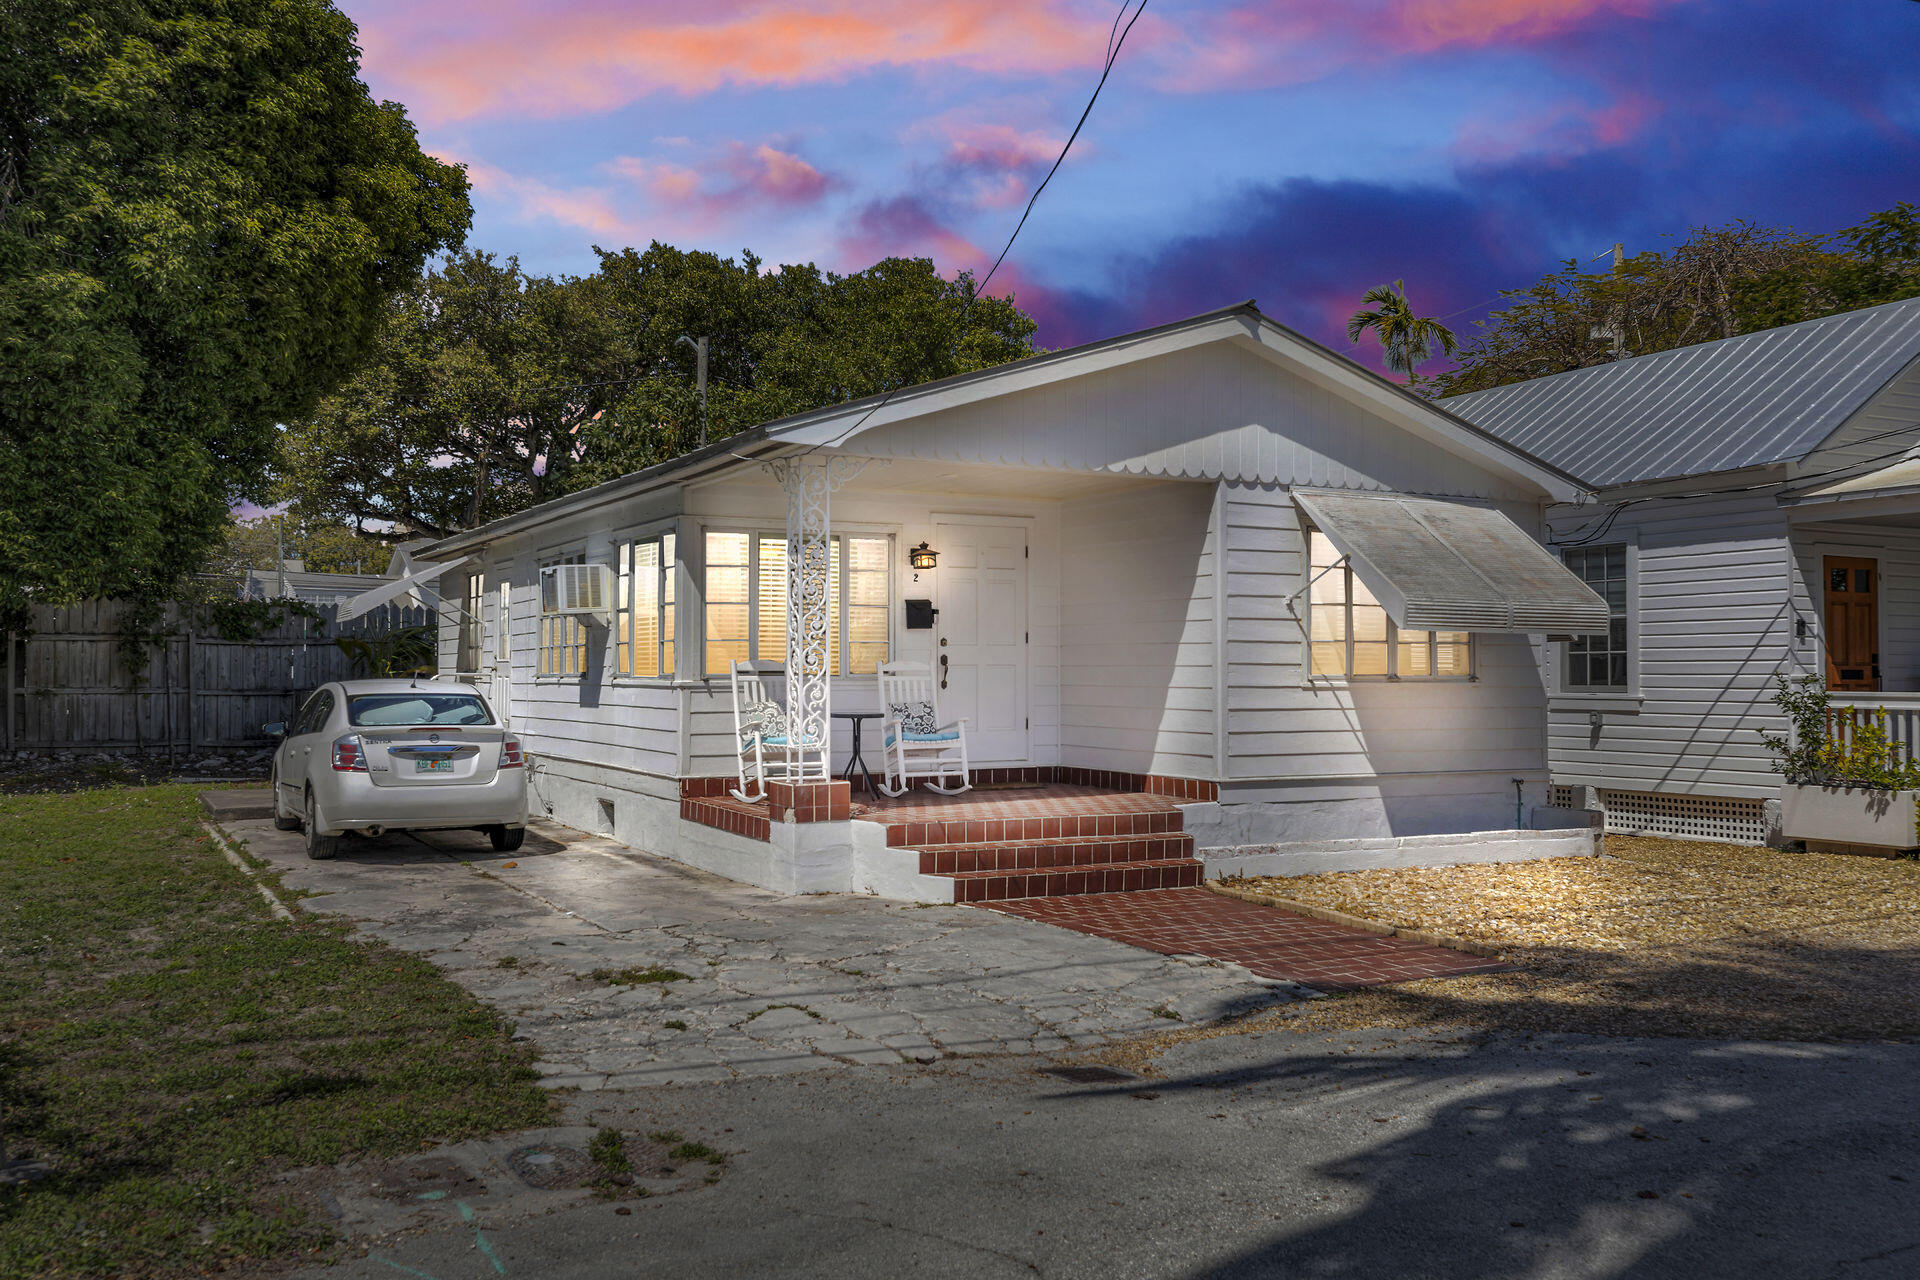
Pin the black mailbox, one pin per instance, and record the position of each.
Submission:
(920, 615)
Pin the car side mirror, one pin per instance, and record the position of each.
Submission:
(278, 729)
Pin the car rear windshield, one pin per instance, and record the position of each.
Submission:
(375, 710)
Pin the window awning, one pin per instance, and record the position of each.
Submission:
(1447, 566)
(412, 584)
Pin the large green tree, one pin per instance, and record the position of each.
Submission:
(202, 216)
(492, 389)
(468, 409)
(1719, 282)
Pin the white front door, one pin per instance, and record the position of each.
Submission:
(981, 655)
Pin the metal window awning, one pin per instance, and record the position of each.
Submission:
(413, 584)
(1447, 566)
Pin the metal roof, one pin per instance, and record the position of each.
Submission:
(1718, 406)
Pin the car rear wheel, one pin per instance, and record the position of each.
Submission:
(507, 839)
(319, 847)
(282, 820)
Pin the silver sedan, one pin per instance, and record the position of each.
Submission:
(385, 755)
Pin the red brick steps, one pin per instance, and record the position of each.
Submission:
(1059, 881)
(1046, 855)
(1066, 841)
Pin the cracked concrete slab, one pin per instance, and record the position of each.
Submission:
(877, 982)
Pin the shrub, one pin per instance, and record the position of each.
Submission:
(1811, 753)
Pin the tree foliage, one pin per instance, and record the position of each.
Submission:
(492, 389)
(202, 215)
(260, 542)
(1720, 282)
(1406, 338)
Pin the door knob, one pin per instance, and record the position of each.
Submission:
(943, 669)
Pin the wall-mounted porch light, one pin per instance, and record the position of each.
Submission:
(922, 556)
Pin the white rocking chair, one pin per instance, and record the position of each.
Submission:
(916, 742)
(768, 750)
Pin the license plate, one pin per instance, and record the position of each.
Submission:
(433, 766)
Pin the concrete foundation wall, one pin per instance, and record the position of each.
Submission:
(798, 857)
(1311, 857)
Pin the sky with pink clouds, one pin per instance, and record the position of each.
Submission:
(1294, 151)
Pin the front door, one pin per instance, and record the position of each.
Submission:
(1853, 623)
(981, 660)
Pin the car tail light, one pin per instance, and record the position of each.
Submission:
(348, 755)
(510, 754)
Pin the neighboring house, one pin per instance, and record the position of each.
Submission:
(1757, 511)
(293, 579)
(1210, 561)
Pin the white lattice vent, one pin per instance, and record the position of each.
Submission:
(1689, 817)
(1559, 797)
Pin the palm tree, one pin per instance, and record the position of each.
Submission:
(1406, 338)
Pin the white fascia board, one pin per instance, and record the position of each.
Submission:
(1859, 504)
(839, 427)
(1395, 406)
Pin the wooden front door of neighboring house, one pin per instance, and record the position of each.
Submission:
(981, 658)
(1853, 623)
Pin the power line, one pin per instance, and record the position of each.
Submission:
(1606, 523)
(1114, 45)
(1116, 40)
(1113, 55)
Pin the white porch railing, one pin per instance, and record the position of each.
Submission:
(1848, 712)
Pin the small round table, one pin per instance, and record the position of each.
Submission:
(854, 761)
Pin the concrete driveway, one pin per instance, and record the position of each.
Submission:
(1364, 1155)
(755, 983)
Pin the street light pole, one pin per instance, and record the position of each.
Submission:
(699, 346)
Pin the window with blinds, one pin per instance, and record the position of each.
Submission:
(643, 607)
(747, 602)
(1350, 634)
(562, 636)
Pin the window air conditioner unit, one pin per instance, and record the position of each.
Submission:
(577, 589)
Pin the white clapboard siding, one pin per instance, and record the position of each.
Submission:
(1239, 415)
(1137, 634)
(1280, 725)
(1714, 624)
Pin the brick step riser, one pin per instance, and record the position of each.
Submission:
(1042, 857)
(1073, 881)
(1013, 830)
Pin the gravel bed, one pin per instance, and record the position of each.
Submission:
(1658, 937)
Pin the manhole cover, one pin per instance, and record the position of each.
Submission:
(550, 1168)
(1090, 1075)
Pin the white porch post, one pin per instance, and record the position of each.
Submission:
(809, 481)
(809, 684)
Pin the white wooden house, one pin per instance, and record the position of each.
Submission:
(1287, 608)
(1756, 512)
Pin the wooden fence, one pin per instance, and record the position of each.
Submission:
(66, 685)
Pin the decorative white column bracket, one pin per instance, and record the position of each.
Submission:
(810, 481)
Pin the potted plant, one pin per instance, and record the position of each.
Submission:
(1857, 789)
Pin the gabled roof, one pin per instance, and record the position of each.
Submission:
(836, 425)
(1718, 406)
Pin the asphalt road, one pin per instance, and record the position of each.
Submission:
(1365, 1155)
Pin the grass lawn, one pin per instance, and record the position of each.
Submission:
(167, 1047)
(1659, 937)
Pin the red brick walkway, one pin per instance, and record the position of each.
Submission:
(1270, 942)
